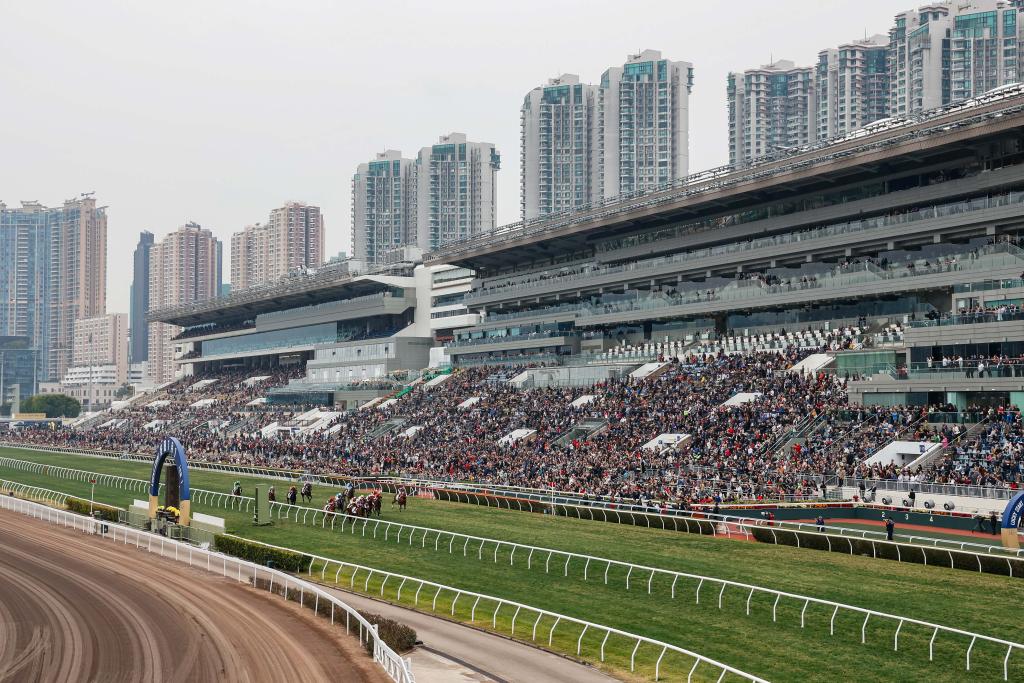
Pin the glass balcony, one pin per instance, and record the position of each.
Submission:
(569, 275)
(985, 259)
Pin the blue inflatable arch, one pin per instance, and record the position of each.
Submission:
(1011, 520)
(171, 446)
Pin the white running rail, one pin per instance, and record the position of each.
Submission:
(397, 668)
(499, 603)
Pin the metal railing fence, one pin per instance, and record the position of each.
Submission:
(499, 603)
(397, 668)
(583, 562)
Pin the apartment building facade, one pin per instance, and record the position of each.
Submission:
(184, 268)
(456, 190)
(643, 129)
(292, 238)
(53, 268)
(384, 206)
(557, 146)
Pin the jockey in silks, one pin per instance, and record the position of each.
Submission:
(236, 490)
(271, 495)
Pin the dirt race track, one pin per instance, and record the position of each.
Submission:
(75, 608)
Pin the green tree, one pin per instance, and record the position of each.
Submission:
(124, 391)
(53, 405)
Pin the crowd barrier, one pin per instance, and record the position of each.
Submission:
(646, 572)
(309, 594)
(499, 603)
(679, 520)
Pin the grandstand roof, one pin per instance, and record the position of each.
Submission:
(943, 134)
(326, 284)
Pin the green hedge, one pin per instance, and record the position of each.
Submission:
(106, 512)
(261, 554)
(398, 636)
(918, 554)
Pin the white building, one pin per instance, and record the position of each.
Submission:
(184, 267)
(944, 52)
(771, 108)
(556, 146)
(292, 238)
(383, 205)
(457, 194)
(851, 86)
(642, 131)
(101, 342)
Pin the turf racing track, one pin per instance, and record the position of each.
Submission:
(72, 609)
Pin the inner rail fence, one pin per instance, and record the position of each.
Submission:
(691, 521)
(915, 549)
(578, 562)
(565, 561)
(311, 596)
(307, 594)
(443, 592)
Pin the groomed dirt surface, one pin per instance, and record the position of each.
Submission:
(77, 608)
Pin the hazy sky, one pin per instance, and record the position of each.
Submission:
(219, 111)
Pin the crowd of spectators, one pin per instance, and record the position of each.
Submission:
(795, 430)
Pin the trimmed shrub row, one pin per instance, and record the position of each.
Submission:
(105, 512)
(398, 636)
(940, 557)
(260, 554)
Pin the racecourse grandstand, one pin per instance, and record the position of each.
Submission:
(847, 313)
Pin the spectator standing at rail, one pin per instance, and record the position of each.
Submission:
(993, 521)
(890, 525)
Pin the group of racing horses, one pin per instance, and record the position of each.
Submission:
(359, 506)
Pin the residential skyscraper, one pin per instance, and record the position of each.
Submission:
(851, 87)
(456, 196)
(384, 205)
(139, 343)
(53, 268)
(642, 130)
(771, 108)
(183, 269)
(293, 237)
(102, 340)
(556, 146)
(944, 52)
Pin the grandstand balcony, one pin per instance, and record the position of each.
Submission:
(966, 218)
(863, 280)
(970, 328)
(950, 137)
(562, 341)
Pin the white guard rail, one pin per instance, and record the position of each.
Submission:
(717, 524)
(396, 667)
(609, 512)
(602, 565)
(499, 603)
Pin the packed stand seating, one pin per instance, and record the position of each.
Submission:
(222, 401)
(795, 427)
(992, 455)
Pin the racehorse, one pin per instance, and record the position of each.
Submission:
(291, 495)
(271, 495)
(400, 500)
(307, 492)
(236, 490)
(376, 500)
